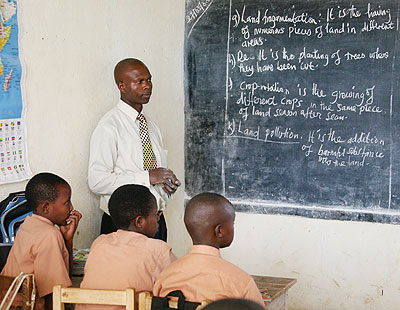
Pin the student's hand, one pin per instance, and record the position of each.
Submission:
(166, 177)
(68, 230)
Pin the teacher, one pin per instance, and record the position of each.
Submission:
(126, 146)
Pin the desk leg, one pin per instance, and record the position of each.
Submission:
(279, 303)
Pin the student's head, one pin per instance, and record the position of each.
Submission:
(233, 304)
(49, 196)
(209, 219)
(134, 82)
(133, 207)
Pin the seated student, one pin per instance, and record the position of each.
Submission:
(233, 304)
(41, 248)
(129, 257)
(202, 273)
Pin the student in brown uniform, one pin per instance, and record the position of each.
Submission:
(129, 257)
(41, 248)
(202, 273)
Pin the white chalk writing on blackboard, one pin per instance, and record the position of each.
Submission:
(195, 14)
(248, 56)
(308, 113)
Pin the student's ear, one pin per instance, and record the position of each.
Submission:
(44, 207)
(218, 231)
(139, 221)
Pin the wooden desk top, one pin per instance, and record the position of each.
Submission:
(275, 286)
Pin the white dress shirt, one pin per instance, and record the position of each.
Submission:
(116, 156)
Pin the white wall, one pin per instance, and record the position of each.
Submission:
(70, 49)
(338, 265)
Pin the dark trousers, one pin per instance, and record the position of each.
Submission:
(107, 226)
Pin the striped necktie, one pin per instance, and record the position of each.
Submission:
(149, 159)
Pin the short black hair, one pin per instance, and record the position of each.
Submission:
(123, 65)
(233, 304)
(43, 187)
(128, 202)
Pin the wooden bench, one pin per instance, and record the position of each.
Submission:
(74, 295)
(23, 298)
(278, 291)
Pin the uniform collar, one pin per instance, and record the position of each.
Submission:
(127, 109)
(42, 219)
(129, 234)
(205, 249)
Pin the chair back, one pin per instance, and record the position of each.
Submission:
(146, 298)
(74, 295)
(19, 292)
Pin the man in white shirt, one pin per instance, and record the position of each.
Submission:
(116, 156)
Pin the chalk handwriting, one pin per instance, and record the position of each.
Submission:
(317, 118)
(195, 14)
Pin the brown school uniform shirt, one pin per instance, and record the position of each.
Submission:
(39, 248)
(203, 274)
(124, 259)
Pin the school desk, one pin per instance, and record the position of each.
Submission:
(277, 289)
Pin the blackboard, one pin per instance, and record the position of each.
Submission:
(292, 107)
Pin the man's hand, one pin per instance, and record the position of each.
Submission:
(68, 230)
(166, 177)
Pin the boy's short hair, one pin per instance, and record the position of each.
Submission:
(233, 304)
(128, 202)
(43, 187)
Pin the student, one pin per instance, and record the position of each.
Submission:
(41, 248)
(129, 257)
(202, 273)
(233, 304)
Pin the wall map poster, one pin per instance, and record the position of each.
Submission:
(13, 157)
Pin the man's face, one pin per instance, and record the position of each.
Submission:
(136, 86)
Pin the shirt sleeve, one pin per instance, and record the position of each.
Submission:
(50, 266)
(102, 178)
(161, 196)
(165, 258)
(253, 293)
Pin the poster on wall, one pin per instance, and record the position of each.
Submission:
(13, 149)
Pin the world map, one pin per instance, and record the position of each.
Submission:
(13, 160)
(10, 66)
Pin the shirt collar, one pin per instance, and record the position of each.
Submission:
(42, 219)
(129, 234)
(206, 250)
(127, 109)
